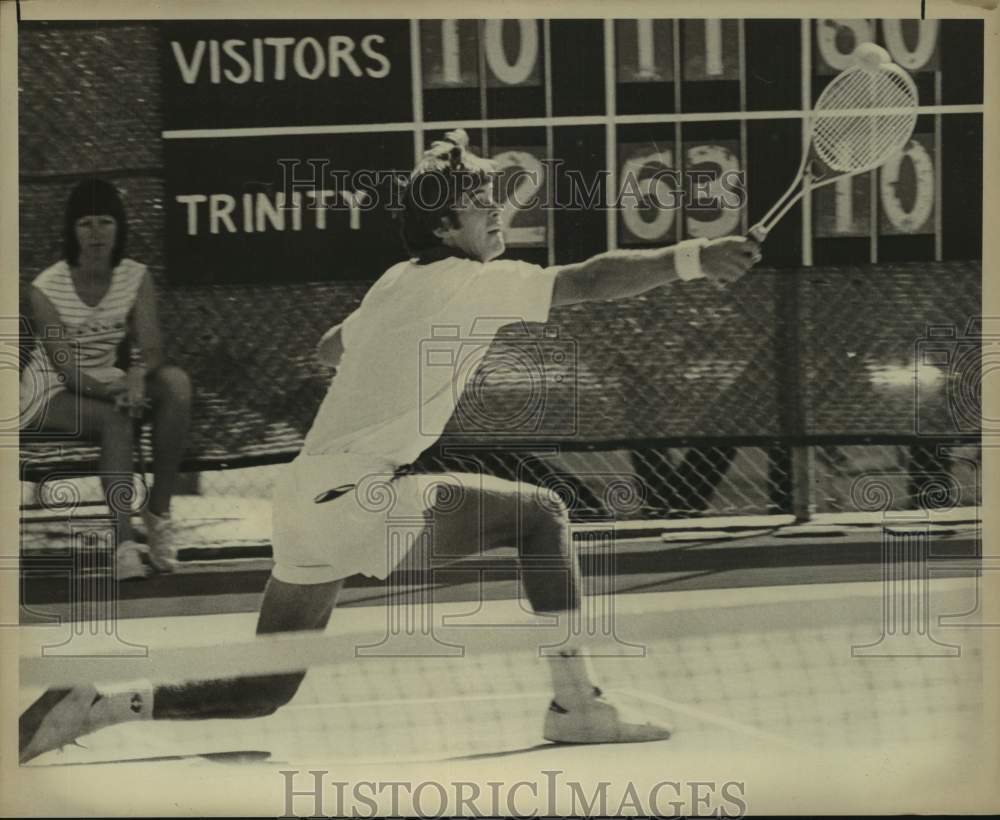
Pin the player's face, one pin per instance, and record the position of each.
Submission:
(95, 235)
(479, 231)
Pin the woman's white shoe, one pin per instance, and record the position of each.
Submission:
(128, 561)
(161, 535)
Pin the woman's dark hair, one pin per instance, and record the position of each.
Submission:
(93, 197)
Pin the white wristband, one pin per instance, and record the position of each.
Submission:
(687, 259)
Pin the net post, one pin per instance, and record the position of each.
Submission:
(803, 481)
(791, 396)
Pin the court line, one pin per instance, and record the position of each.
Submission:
(671, 705)
(546, 696)
(664, 703)
(709, 717)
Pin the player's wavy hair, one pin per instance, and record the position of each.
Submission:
(93, 197)
(447, 170)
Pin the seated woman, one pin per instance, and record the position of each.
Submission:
(84, 307)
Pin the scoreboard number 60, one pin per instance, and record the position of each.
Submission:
(837, 39)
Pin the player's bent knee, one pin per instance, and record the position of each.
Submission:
(546, 522)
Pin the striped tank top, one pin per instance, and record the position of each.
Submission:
(95, 331)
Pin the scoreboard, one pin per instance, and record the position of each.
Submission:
(280, 137)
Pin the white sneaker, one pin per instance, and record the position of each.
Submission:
(597, 721)
(58, 717)
(128, 561)
(161, 534)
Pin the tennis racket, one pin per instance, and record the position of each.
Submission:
(863, 118)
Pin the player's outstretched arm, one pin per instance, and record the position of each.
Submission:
(619, 274)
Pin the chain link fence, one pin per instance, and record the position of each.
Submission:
(685, 401)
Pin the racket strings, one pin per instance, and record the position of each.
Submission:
(869, 136)
(859, 144)
(862, 118)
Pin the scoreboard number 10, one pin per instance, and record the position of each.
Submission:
(906, 196)
(451, 50)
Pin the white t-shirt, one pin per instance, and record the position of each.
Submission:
(409, 351)
(412, 346)
(95, 331)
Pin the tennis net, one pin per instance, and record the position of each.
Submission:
(794, 668)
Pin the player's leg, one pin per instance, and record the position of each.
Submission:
(62, 715)
(493, 513)
(551, 576)
(285, 608)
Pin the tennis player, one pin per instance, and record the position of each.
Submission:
(384, 407)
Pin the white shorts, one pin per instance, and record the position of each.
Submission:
(367, 525)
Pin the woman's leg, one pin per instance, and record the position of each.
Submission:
(169, 389)
(101, 422)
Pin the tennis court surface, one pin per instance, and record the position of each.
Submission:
(444, 681)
